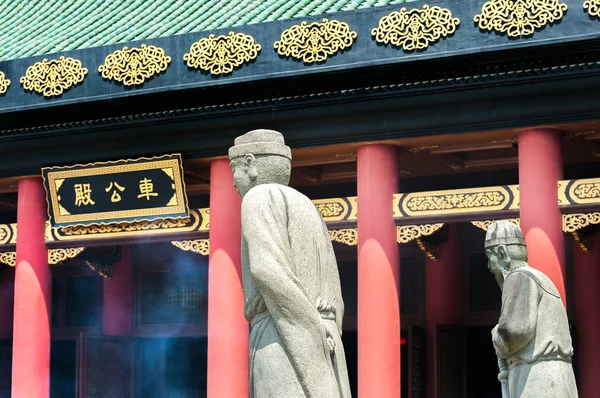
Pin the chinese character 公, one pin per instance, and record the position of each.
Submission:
(115, 197)
(83, 195)
(146, 189)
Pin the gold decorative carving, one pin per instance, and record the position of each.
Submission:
(220, 55)
(577, 221)
(4, 83)
(592, 7)
(588, 191)
(346, 236)
(431, 250)
(519, 17)
(415, 29)
(507, 141)
(57, 256)
(456, 201)
(8, 258)
(125, 227)
(423, 148)
(52, 78)
(315, 42)
(453, 166)
(485, 224)
(200, 246)
(407, 233)
(104, 270)
(133, 66)
(582, 240)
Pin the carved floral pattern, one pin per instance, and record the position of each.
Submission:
(588, 191)
(8, 258)
(577, 221)
(592, 7)
(519, 17)
(332, 209)
(52, 78)
(220, 55)
(456, 201)
(486, 223)
(125, 227)
(407, 233)
(315, 42)
(133, 66)
(346, 236)
(200, 246)
(57, 256)
(4, 83)
(415, 29)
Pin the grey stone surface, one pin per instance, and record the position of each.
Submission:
(292, 291)
(532, 338)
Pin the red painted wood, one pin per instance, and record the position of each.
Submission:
(540, 169)
(227, 374)
(378, 274)
(587, 299)
(33, 284)
(118, 298)
(442, 303)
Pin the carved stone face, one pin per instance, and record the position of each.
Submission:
(244, 174)
(498, 263)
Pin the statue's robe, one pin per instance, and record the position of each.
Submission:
(533, 337)
(293, 297)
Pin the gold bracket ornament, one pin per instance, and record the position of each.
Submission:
(408, 233)
(4, 83)
(431, 250)
(573, 223)
(220, 55)
(346, 236)
(485, 224)
(415, 29)
(52, 78)
(55, 256)
(592, 7)
(200, 246)
(315, 42)
(8, 258)
(133, 66)
(518, 18)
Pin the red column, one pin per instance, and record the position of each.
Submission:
(118, 299)
(540, 169)
(442, 301)
(378, 274)
(227, 328)
(33, 283)
(587, 299)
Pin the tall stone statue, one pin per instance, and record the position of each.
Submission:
(292, 291)
(532, 338)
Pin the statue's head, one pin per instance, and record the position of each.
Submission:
(260, 157)
(505, 248)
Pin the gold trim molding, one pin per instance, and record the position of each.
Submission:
(347, 236)
(486, 223)
(315, 42)
(416, 29)
(8, 258)
(4, 83)
(104, 270)
(199, 246)
(518, 18)
(592, 7)
(575, 222)
(55, 256)
(431, 250)
(408, 233)
(220, 55)
(52, 78)
(133, 66)
(337, 209)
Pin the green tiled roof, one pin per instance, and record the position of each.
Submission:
(37, 27)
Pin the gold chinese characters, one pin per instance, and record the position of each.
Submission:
(83, 192)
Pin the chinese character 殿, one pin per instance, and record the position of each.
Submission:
(83, 195)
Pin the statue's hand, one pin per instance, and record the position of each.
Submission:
(330, 328)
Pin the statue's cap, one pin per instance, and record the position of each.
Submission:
(504, 232)
(260, 142)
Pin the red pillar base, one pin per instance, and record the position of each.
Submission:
(33, 283)
(227, 328)
(378, 274)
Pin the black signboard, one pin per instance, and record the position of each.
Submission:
(142, 189)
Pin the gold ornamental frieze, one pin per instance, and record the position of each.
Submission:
(592, 7)
(199, 246)
(8, 258)
(52, 78)
(408, 233)
(55, 256)
(518, 18)
(337, 209)
(579, 192)
(133, 66)
(220, 55)
(315, 42)
(484, 224)
(416, 29)
(457, 201)
(4, 83)
(348, 236)
(576, 221)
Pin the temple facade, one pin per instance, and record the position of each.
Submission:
(412, 126)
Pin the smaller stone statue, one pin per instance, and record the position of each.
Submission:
(532, 338)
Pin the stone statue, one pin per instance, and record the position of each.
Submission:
(292, 293)
(532, 338)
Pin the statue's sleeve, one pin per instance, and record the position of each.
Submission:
(517, 324)
(299, 325)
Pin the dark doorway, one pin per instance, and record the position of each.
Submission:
(482, 364)
(63, 360)
(350, 341)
